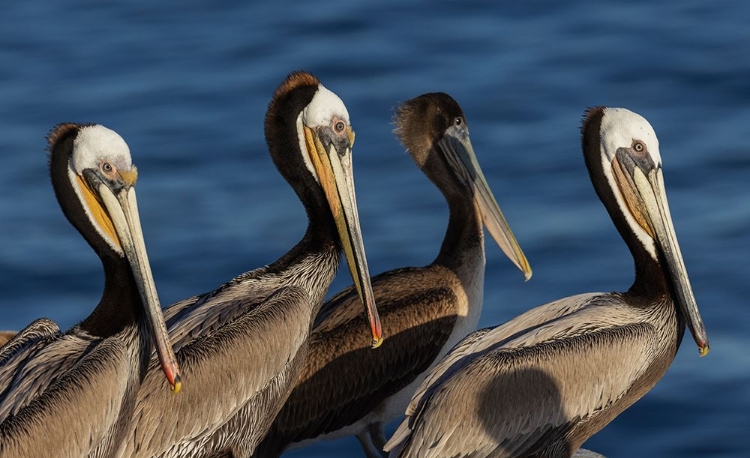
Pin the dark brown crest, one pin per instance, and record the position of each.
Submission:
(295, 80)
(61, 130)
(591, 115)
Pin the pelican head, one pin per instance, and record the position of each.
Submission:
(103, 177)
(433, 125)
(629, 155)
(324, 138)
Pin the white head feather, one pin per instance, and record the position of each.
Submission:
(619, 128)
(92, 146)
(324, 106)
(96, 143)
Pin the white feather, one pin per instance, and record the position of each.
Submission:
(322, 109)
(619, 128)
(94, 143)
(324, 106)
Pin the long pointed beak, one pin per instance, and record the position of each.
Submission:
(457, 146)
(642, 185)
(335, 175)
(123, 211)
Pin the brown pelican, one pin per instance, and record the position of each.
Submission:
(347, 389)
(241, 346)
(72, 393)
(542, 383)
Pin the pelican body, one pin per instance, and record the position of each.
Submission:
(542, 383)
(72, 393)
(241, 346)
(347, 389)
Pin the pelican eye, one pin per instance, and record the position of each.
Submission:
(339, 127)
(107, 167)
(639, 146)
(458, 121)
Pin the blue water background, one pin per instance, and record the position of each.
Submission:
(187, 85)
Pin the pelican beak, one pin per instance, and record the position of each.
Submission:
(642, 185)
(331, 158)
(457, 147)
(118, 199)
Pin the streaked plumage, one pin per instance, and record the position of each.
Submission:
(72, 393)
(345, 388)
(542, 383)
(241, 346)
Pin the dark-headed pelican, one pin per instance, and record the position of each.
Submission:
(72, 393)
(545, 381)
(345, 388)
(241, 346)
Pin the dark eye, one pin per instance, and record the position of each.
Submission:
(638, 146)
(340, 126)
(107, 167)
(458, 121)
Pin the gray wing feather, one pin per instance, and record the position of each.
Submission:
(15, 355)
(214, 395)
(503, 400)
(86, 392)
(193, 318)
(38, 331)
(447, 366)
(36, 364)
(483, 339)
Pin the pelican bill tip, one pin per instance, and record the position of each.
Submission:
(377, 341)
(177, 385)
(703, 349)
(522, 263)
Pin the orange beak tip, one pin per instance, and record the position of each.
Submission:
(377, 341)
(177, 385)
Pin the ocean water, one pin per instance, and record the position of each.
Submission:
(187, 86)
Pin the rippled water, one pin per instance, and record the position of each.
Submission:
(187, 87)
